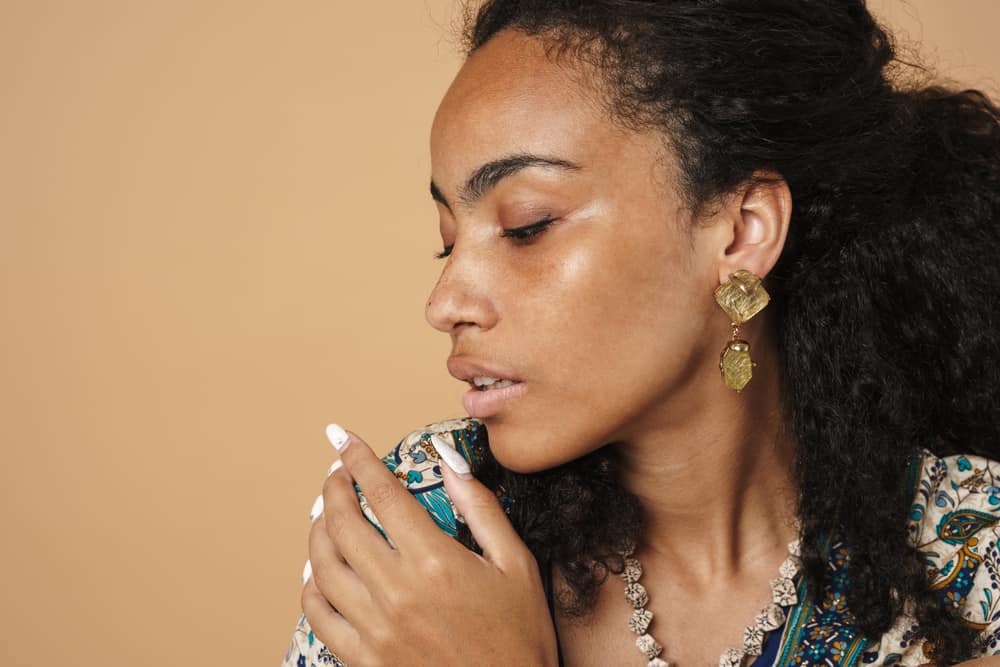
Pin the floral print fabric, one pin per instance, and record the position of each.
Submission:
(953, 521)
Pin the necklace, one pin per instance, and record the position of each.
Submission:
(769, 618)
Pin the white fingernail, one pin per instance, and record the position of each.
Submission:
(337, 436)
(316, 508)
(307, 572)
(334, 466)
(451, 456)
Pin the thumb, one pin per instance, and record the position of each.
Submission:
(480, 508)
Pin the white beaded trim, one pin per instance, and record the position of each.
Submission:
(769, 618)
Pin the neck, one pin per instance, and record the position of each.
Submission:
(717, 486)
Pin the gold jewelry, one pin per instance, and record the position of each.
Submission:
(783, 594)
(742, 297)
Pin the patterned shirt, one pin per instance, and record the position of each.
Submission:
(954, 521)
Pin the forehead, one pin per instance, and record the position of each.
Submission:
(509, 97)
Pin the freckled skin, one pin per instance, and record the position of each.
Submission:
(599, 314)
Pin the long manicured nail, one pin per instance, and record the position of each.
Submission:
(307, 572)
(452, 457)
(317, 507)
(337, 436)
(334, 466)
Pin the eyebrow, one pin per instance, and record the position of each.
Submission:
(488, 175)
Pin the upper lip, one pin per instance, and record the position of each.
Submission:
(464, 368)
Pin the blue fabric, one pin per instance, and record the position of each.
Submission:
(767, 658)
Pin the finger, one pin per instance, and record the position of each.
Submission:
(329, 626)
(401, 515)
(338, 583)
(481, 511)
(353, 536)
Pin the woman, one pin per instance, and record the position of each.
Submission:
(745, 277)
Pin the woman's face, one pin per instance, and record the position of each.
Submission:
(607, 316)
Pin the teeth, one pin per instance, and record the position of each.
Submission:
(491, 383)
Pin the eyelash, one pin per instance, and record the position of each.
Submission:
(519, 234)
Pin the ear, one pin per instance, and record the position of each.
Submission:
(758, 214)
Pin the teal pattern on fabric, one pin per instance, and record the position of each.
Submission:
(957, 527)
(416, 463)
(824, 632)
(954, 521)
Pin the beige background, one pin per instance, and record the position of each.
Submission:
(215, 237)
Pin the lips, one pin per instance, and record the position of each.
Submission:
(466, 368)
(483, 404)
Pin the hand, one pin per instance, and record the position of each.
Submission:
(428, 601)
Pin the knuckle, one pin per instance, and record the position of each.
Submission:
(307, 600)
(331, 486)
(400, 604)
(319, 580)
(334, 526)
(484, 501)
(433, 568)
(383, 494)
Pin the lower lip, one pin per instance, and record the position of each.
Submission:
(479, 403)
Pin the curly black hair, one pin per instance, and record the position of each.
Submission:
(885, 296)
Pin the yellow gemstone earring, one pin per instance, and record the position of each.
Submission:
(742, 297)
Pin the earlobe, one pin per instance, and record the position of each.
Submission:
(760, 218)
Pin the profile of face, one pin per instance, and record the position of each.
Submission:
(607, 315)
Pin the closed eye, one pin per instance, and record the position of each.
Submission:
(528, 231)
(519, 234)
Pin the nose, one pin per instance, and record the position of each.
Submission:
(461, 296)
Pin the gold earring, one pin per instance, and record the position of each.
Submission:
(742, 297)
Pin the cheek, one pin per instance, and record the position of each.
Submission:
(637, 325)
(606, 333)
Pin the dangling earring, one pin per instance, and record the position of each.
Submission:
(742, 297)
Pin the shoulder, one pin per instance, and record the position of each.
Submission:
(955, 523)
(416, 463)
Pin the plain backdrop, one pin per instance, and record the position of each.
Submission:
(216, 237)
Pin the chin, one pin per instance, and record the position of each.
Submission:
(522, 454)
